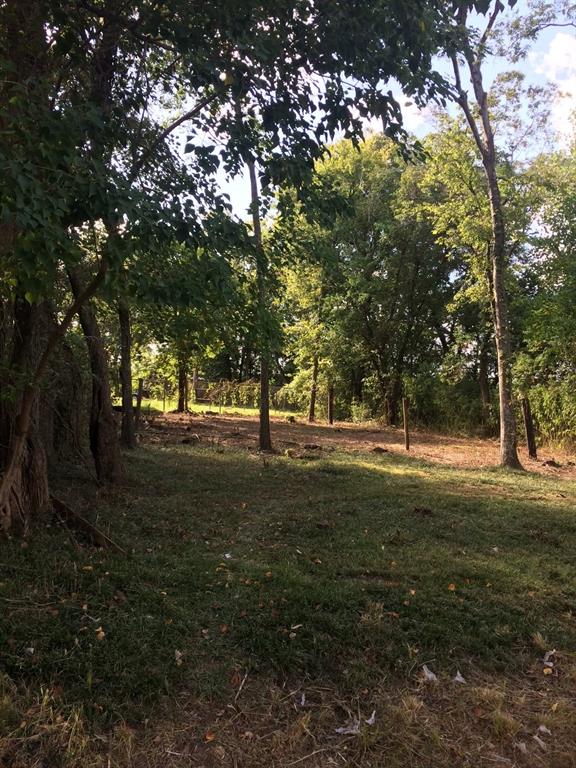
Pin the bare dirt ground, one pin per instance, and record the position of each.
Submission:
(242, 432)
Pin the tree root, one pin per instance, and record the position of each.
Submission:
(74, 518)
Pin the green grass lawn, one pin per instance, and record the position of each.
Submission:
(340, 569)
(158, 405)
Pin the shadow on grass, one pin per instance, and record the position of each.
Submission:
(339, 568)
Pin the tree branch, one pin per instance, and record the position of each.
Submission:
(463, 101)
(491, 21)
(147, 153)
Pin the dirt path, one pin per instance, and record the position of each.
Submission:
(242, 431)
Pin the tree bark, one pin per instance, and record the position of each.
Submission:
(405, 420)
(265, 439)
(138, 413)
(127, 430)
(330, 404)
(483, 385)
(313, 391)
(62, 402)
(25, 482)
(182, 387)
(15, 452)
(103, 434)
(393, 398)
(508, 440)
(529, 427)
(195, 384)
(483, 134)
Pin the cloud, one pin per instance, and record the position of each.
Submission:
(558, 65)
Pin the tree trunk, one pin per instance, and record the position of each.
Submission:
(357, 383)
(483, 134)
(138, 405)
(393, 398)
(529, 427)
(62, 401)
(265, 439)
(127, 431)
(508, 446)
(483, 384)
(313, 391)
(330, 404)
(103, 435)
(405, 421)
(182, 386)
(195, 384)
(25, 482)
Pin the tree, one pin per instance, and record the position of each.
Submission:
(481, 126)
(370, 284)
(81, 144)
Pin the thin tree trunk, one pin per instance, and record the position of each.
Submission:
(508, 445)
(195, 384)
(265, 439)
(103, 434)
(406, 425)
(482, 132)
(483, 385)
(330, 404)
(313, 391)
(127, 431)
(138, 405)
(529, 427)
(393, 401)
(182, 378)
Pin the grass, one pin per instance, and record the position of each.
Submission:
(158, 406)
(338, 573)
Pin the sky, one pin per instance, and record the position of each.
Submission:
(551, 59)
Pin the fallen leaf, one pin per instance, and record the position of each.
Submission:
(544, 729)
(178, 658)
(429, 676)
(459, 679)
(452, 587)
(352, 726)
(210, 736)
(540, 743)
(372, 719)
